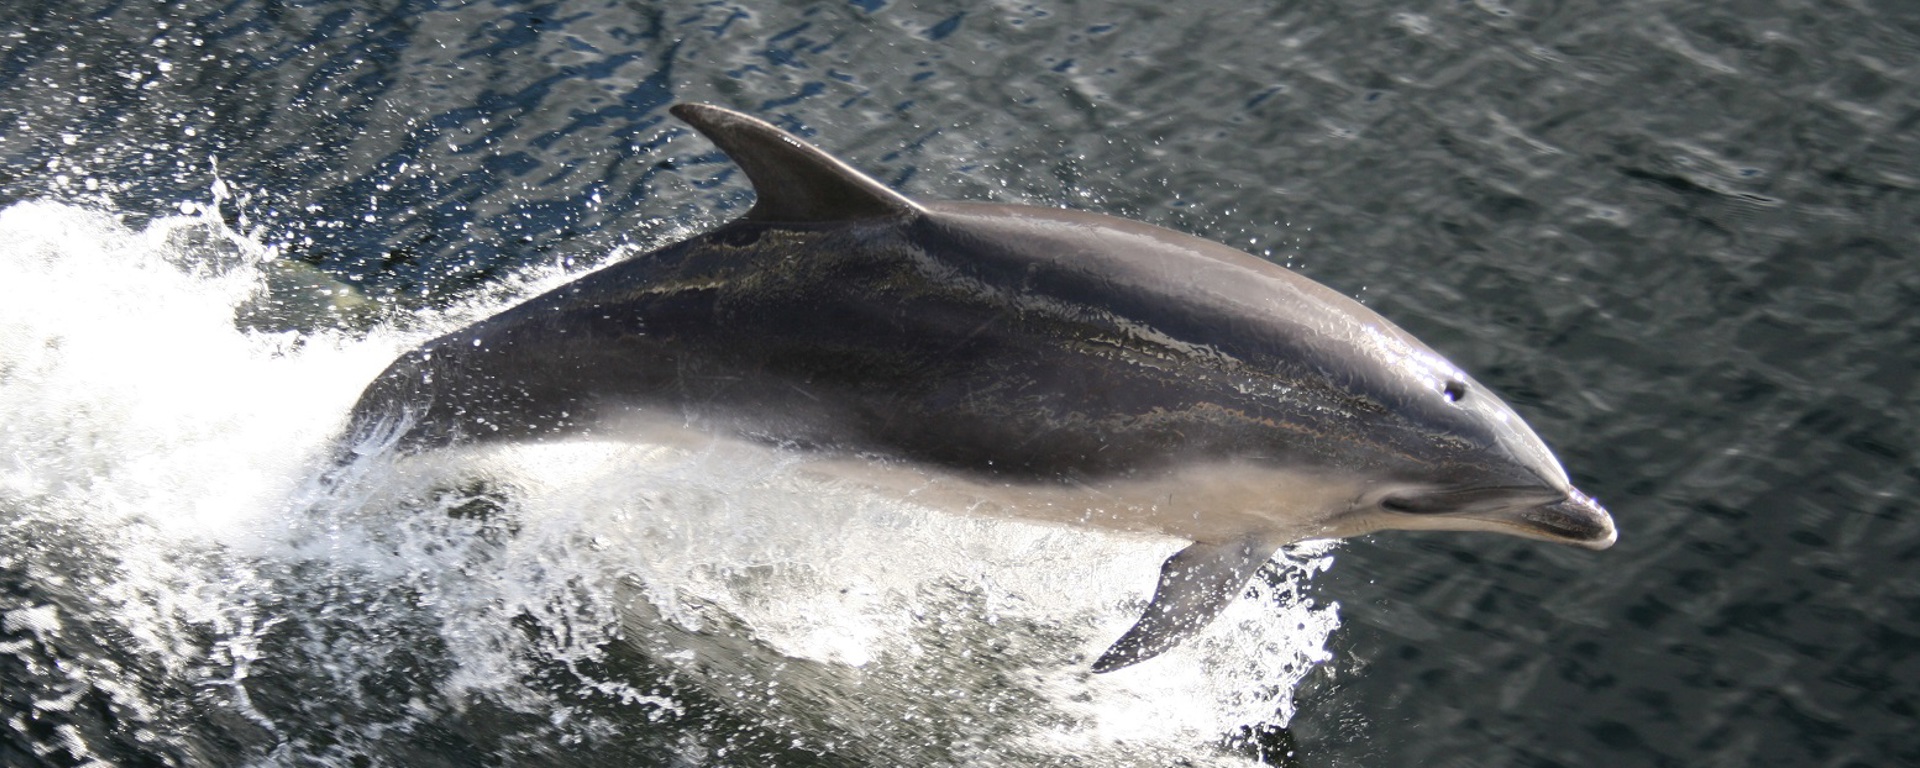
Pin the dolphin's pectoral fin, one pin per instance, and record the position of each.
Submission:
(1196, 584)
(793, 181)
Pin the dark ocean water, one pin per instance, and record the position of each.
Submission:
(1683, 239)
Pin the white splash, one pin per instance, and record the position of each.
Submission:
(185, 449)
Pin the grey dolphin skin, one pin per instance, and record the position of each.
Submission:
(1048, 363)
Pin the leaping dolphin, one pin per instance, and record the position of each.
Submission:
(1066, 365)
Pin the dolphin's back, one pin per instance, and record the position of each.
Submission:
(1020, 342)
(935, 336)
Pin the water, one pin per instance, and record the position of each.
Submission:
(1678, 237)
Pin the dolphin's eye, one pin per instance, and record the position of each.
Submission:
(1454, 390)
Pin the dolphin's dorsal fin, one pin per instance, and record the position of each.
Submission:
(1196, 584)
(793, 181)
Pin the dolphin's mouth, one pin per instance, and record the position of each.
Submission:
(1533, 512)
(1576, 520)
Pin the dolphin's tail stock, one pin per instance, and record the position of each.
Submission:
(386, 422)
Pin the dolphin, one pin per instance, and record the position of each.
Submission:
(1047, 363)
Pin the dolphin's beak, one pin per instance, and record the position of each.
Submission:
(1576, 520)
(1533, 512)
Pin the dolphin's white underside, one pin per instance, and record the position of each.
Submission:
(1202, 501)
